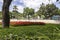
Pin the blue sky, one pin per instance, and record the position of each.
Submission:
(35, 4)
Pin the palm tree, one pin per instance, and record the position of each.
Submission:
(15, 8)
(15, 11)
(5, 13)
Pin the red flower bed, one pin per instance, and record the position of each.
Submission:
(26, 23)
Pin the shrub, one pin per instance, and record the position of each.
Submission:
(26, 23)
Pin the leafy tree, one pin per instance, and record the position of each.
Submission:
(20, 15)
(51, 10)
(31, 13)
(11, 15)
(35, 16)
(5, 13)
(15, 8)
(58, 11)
(48, 10)
(41, 10)
(28, 12)
(15, 12)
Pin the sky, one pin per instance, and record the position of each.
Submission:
(35, 4)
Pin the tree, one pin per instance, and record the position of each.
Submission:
(15, 12)
(15, 8)
(11, 15)
(5, 13)
(41, 10)
(48, 11)
(28, 12)
(31, 12)
(51, 10)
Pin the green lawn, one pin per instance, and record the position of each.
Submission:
(45, 32)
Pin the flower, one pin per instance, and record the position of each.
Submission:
(26, 23)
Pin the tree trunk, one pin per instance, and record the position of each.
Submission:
(5, 13)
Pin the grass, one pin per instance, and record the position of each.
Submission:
(50, 31)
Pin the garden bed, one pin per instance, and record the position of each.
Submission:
(26, 23)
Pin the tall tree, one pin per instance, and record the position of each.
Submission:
(5, 13)
(15, 8)
(51, 10)
(41, 10)
(15, 12)
(48, 11)
(28, 12)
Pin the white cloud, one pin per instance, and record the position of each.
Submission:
(35, 4)
(20, 8)
(1, 0)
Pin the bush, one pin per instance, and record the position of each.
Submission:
(26, 23)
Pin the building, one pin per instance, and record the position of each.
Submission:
(56, 17)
